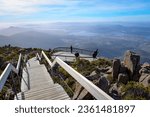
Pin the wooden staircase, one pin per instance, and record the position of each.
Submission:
(37, 84)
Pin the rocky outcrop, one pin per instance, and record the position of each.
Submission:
(104, 84)
(145, 79)
(145, 68)
(93, 76)
(145, 74)
(112, 79)
(81, 93)
(102, 70)
(132, 63)
(128, 70)
(123, 78)
(115, 92)
(100, 81)
(109, 71)
(123, 69)
(115, 68)
(78, 90)
(84, 95)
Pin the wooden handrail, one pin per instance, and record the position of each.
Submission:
(47, 59)
(38, 56)
(19, 62)
(7, 71)
(88, 85)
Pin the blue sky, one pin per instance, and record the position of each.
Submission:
(14, 11)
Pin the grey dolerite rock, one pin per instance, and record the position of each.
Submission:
(145, 79)
(123, 78)
(115, 68)
(131, 62)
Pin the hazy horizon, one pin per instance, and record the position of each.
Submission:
(111, 26)
(111, 39)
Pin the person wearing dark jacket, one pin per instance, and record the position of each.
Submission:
(95, 53)
(76, 54)
(71, 48)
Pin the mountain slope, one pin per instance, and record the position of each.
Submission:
(36, 39)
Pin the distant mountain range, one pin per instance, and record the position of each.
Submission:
(112, 40)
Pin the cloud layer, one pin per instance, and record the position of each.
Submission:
(22, 10)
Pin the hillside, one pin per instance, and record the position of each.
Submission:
(121, 79)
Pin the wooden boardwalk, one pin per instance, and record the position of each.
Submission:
(37, 84)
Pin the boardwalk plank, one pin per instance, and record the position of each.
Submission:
(37, 84)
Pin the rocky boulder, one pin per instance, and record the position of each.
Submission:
(84, 95)
(115, 92)
(103, 70)
(93, 76)
(104, 84)
(123, 78)
(109, 71)
(123, 69)
(115, 68)
(132, 62)
(145, 79)
(146, 65)
(145, 68)
(77, 91)
(81, 93)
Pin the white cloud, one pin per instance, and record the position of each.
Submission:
(14, 7)
(22, 10)
(17, 7)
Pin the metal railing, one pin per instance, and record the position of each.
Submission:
(67, 49)
(88, 85)
(9, 68)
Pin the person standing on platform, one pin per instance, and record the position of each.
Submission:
(71, 49)
(95, 53)
(77, 55)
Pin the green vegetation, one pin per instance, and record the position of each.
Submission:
(62, 71)
(84, 67)
(1, 71)
(135, 91)
(110, 78)
(102, 62)
(3, 93)
(67, 78)
(64, 85)
(9, 54)
(130, 91)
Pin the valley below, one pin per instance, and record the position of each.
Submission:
(112, 40)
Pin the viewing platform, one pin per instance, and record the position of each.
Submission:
(70, 57)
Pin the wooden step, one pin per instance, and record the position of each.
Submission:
(37, 84)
